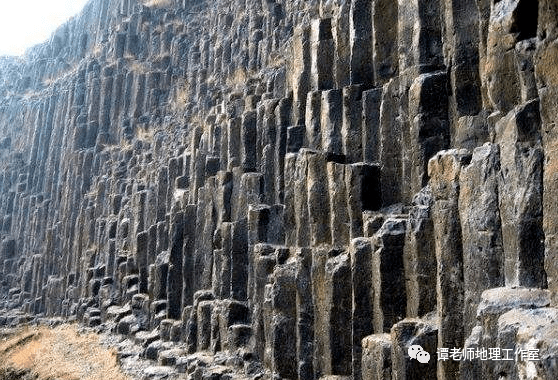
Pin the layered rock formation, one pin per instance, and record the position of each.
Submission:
(312, 186)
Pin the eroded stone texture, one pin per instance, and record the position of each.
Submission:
(521, 196)
(444, 170)
(376, 356)
(480, 228)
(419, 256)
(497, 302)
(405, 334)
(388, 275)
(546, 85)
(288, 189)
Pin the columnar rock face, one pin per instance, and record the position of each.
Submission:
(314, 186)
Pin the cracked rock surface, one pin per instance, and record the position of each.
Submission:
(288, 189)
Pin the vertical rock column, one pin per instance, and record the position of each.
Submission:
(361, 43)
(283, 114)
(264, 264)
(371, 101)
(462, 32)
(248, 140)
(202, 255)
(520, 196)
(360, 252)
(239, 260)
(313, 120)
(290, 212)
(405, 334)
(338, 310)
(225, 271)
(429, 126)
(301, 199)
(305, 314)
(351, 129)
(502, 79)
(282, 293)
(547, 83)
(302, 72)
(419, 36)
(174, 280)
(341, 36)
(321, 358)
(390, 144)
(141, 260)
(106, 93)
(481, 229)
(388, 275)
(339, 214)
(318, 200)
(363, 186)
(376, 357)
(384, 35)
(267, 134)
(444, 170)
(420, 257)
(162, 189)
(322, 55)
(331, 123)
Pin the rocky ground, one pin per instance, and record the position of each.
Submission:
(53, 349)
(63, 352)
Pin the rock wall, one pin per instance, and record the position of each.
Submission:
(312, 185)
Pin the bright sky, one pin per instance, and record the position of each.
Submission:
(24, 23)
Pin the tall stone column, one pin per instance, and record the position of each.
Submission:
(444, 170)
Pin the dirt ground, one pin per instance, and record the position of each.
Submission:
(61, 353)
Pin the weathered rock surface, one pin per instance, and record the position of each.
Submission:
(289, 189)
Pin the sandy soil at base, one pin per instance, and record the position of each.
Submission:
(61, 353)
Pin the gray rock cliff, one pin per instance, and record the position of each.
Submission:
(289, 189)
